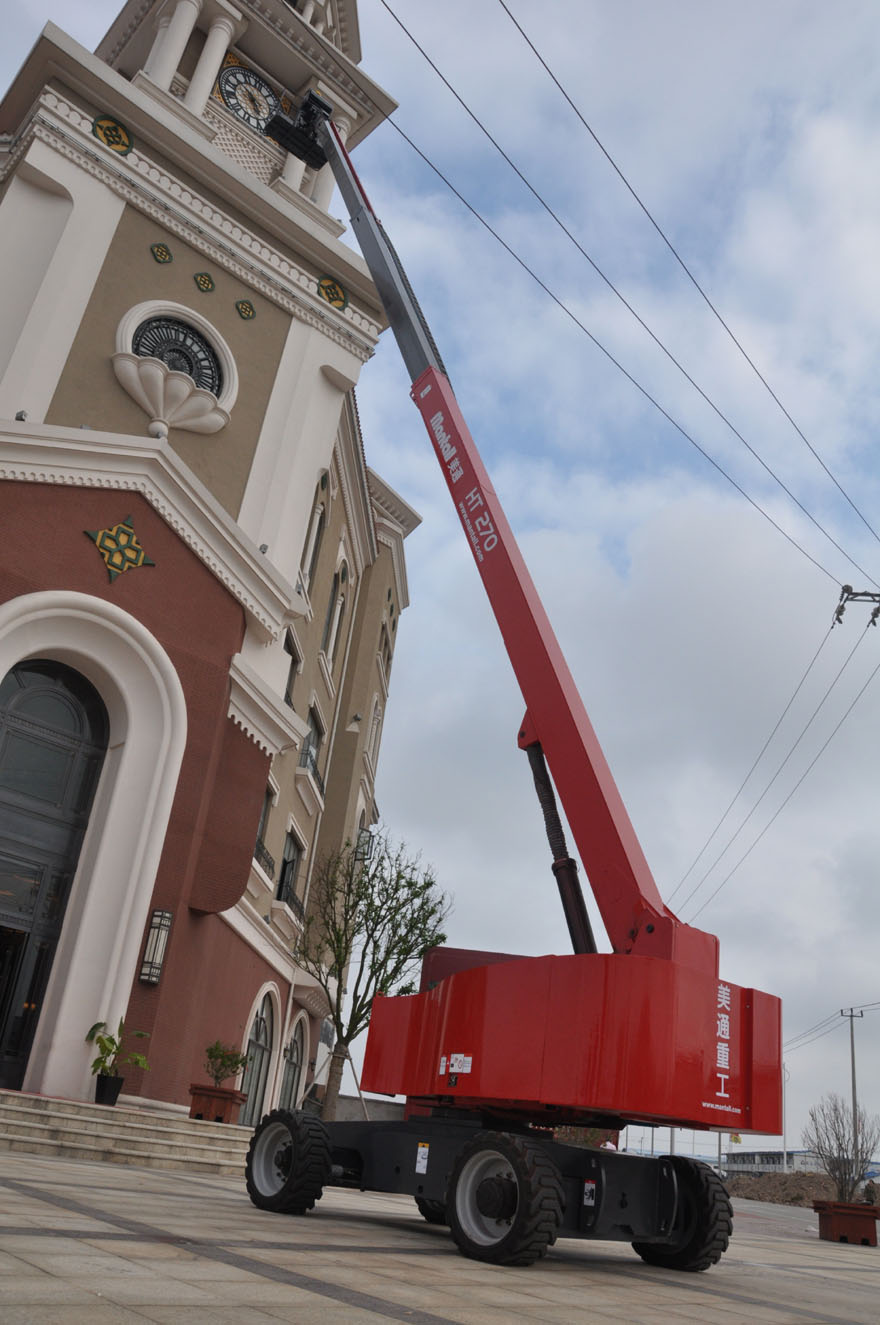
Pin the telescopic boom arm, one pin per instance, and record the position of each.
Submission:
(556, 722)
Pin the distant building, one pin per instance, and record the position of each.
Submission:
(200, 576)
(770, 1161)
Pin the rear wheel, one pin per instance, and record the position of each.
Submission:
(432, 1211)
(703, 1221)
(505, 1200)
(288, 1162)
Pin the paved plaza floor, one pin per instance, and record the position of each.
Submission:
(99, 1243)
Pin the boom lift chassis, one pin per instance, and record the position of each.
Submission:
(496, 1051)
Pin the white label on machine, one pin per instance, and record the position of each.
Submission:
(459, 1063)
(443, 1066)
(589, 1191)
(422, 1157)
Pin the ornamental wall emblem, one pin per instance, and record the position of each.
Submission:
(112, 134)
(120, 548)
(330, 289)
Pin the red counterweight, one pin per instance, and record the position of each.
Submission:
(573, 1038)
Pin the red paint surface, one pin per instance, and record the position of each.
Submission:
(632, 1036)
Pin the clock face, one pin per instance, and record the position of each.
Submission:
(181, 348)
(247, 95)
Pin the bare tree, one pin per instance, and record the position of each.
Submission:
(371, 918)
(829, 1133)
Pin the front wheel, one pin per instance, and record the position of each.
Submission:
(703, 1221)
(288, 1162)
(505, 1200)
(432, 1211)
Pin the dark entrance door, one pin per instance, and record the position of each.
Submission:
(53, 736)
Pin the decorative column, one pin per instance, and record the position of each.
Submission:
(171, 42)
(322, 189)
(292, 171)
(224, 26)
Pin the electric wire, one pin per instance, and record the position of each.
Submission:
(687, 271)
(803, 733)
(755, 764)
(794, 1048)
(652, 400)
(811, 1030)
(622, 298)
(833, 1017)
(795, 788)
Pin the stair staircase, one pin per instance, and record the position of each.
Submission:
(145, 1137)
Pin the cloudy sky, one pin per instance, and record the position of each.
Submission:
(690, 605)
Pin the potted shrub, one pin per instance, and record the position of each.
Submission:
(218, 1103)
(109, 1059)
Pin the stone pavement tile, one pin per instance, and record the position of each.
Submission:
(204, 1269)
(82, 1263)
(225, 1315)
(39, 1289)
(93, 1315)
(26, 1243)
(140, 1288)
(325, 1315)
(10, 1264)
(136, 1249)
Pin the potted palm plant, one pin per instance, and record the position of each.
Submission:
(218, 1103)
(109, 1059)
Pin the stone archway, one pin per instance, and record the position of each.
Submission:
(97, 952)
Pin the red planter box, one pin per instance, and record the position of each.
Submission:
(215, 1104)
(842, 1221)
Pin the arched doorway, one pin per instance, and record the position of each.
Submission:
(53, 737)
(293, 1066)
(259, 1052)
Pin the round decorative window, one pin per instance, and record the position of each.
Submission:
(182, 349)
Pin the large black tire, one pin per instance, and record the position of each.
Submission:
(505, 1200)
(703, 1221)
(432, 1211)
(288, 1162)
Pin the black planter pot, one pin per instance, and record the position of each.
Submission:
(107, 1089)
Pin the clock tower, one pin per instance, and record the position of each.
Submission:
(201, 577)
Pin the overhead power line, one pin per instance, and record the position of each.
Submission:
(835, 1025)
(811, 1030)
(622, 298)
(804, 730)
(686, 269)
(795, 788)
(755, 764)
(652, 400)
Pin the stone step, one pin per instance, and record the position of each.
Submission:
(96, 1153)
(123, 1134)
(131, 1121)
(167, 1117)
(54, 1128)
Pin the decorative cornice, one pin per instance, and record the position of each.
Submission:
(265, 718)
(145, 185)
(41, 453)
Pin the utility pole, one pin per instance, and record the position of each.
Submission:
(785, 1075)
(852, 1014)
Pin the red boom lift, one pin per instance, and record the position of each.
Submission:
(497, 1050)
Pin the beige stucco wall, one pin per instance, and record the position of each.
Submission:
(88, 393)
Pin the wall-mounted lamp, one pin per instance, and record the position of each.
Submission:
(154, 949)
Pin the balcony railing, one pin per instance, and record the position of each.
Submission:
(309, 760)
(263, 858)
